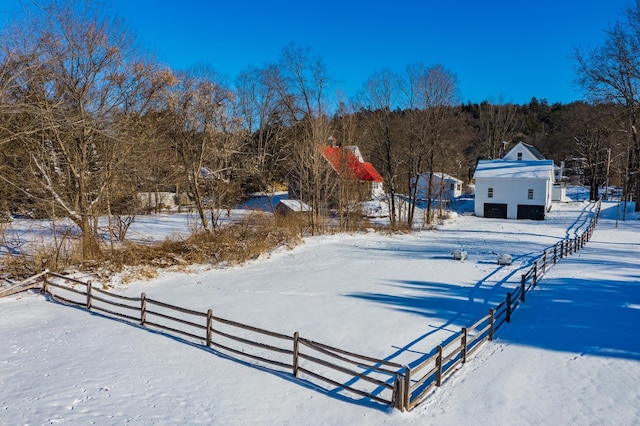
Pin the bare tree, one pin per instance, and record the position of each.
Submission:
(430, 94)
(592, 135)
(302, 83)
(377, 100)
(498, 123)
(198, 128)
(76, 83)
(611, 73)
(261, 108)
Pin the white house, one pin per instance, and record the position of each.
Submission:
(523, 152)
(443, 186)
(156, 200)
(513, 189)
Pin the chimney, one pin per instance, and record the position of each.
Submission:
(503, 149)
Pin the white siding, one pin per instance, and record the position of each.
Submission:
(450, 186)
(512, 193)
(511, 182)
(520, 152)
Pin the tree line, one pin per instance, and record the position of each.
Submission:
(88, 120)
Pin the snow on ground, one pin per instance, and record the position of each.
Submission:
(568, 357)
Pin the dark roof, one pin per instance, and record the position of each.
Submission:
(534, 151)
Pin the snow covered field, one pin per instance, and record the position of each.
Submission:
(570, 356)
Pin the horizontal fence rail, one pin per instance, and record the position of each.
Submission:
(379, 380)
(385, 382)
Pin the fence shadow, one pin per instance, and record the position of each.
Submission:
(334, 393)
(585, 316)
(402, 388)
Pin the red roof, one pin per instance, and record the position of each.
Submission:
(345, 163)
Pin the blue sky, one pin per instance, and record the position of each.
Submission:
(501, 51)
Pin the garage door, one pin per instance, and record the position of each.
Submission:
(495, 210)
(530, 212)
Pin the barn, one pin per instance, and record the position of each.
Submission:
(510, 189)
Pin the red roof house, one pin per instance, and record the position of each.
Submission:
(346, 164)
(351, 176)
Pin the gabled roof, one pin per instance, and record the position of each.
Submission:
(532, 149)
(514, 169)
(346, 164)
(442, 176)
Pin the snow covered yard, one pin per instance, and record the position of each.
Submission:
(393, 297)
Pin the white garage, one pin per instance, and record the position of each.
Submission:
(513, 189)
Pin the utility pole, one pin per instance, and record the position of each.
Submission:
(606, 187)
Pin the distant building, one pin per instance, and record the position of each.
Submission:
(526, 152)
(523, 152)
(349, 172)
(443, 186)
(288, 207)
(149, 201)
(513, 189)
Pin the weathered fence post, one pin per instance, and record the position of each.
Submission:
(143, 309)
(439, 366)
(544, 262)
(509, 306)
(535, 273)
(561, 249)
(523, 281)
(209, 327)
(491, 321)
(555, 253)
(89, 295)
(407, 387)
(398, 393)
(45, 283)
(296, 353)
(463, 343)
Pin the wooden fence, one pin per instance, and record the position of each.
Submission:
(373, 378)
(26, 284)
(382, 381)
(423, 378)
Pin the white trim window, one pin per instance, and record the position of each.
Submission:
(490, 193)
(530, 194)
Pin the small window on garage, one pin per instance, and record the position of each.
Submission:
(519, 156)
(530, 194)
(490, 193)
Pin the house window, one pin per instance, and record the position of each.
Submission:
(490, 193)
(530, 194)
(519, 156)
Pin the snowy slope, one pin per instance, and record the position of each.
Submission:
(566, 357)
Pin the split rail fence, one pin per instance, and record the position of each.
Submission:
(385, 382)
